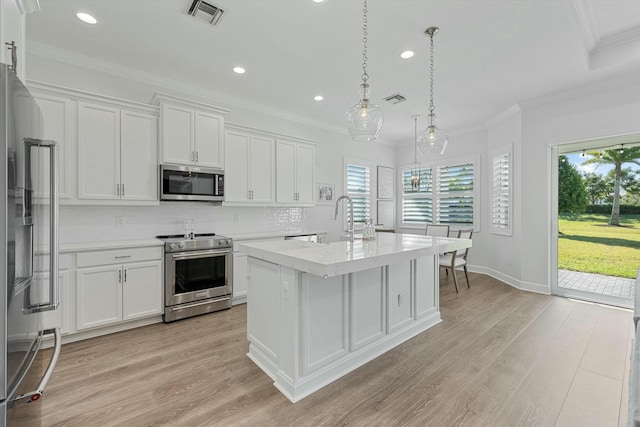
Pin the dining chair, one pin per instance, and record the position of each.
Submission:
(457, 259)
(438, 230)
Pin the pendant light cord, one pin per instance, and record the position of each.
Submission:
(365, 75)
(431, 105)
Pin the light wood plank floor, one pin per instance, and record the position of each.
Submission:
(501, 357)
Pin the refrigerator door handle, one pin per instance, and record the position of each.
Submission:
(54, 283)
(35, 395)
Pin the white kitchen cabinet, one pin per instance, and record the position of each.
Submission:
(59, 125)
(116, 154)
(99, 296)
(249, 176)
(109, 290)
(294, 173)
(191, 133)
(141, 295)
(240, 267)
(138, 156)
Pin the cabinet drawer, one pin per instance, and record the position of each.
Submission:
(117, 256)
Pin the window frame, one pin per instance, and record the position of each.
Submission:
(436, 195)
(508, 230)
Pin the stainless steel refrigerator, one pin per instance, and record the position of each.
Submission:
(28, 244)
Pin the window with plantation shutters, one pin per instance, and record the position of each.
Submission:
(358, 188)
(446, 195)
(417, 200)
(501, 193)
(455, 194)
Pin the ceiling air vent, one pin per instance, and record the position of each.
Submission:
(206, 12)
(395, 99)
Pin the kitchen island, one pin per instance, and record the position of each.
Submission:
(318, 311)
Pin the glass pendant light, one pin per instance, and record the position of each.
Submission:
(415, 171)
(433, 140)
(365, 118)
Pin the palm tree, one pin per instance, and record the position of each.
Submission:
(616, 158)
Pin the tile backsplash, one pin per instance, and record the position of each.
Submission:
(100, 223)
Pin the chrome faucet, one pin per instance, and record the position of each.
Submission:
(350, 221)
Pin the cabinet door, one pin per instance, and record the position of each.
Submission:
(177, 135)
(142, 290)
(305, 163)
(285, 172)
(98, 152)
(58, 125)
(98, 296)
(139, 160)
(239, 275)
(261, 169)
(209, 144)
(236, 180)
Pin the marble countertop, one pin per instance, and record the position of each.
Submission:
(112, 244)
(268, 234)
(337, 258)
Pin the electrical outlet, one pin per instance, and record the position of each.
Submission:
(119, 221)
(285, 290)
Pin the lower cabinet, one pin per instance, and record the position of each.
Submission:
(112, 293)
(240, 268)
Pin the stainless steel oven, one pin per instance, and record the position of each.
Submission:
(197, 275)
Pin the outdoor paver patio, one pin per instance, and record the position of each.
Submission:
(596, 283)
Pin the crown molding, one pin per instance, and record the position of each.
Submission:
(79, 95)
(587, 21)
(61, 55)
(276, 135)
(500, 117)
(160, 97)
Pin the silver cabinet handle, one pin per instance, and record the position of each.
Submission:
(35, 395)
(125, 275)
(118, 189)
(123, 256)
(119, 276)
(123, 190)
(197, 156)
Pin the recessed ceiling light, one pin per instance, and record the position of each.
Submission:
(319, 1)
(406, 54)
(86, 18)
(239, 70)
(318, 97)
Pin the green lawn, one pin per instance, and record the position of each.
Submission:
(587, 243)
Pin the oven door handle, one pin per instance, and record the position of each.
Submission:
(199, 254)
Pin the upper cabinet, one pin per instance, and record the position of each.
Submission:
(266, 168)
(191, 133)
(249, 176)
(295, 162)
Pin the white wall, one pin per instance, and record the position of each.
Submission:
(611, 108)
(503, 256)
(89, 223)
(462, 145)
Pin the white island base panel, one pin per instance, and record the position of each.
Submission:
(306, 331)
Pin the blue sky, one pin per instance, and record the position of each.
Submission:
(575, 159)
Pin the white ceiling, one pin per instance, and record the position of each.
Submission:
(490, 54)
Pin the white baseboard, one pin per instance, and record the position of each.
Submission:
(511, 281)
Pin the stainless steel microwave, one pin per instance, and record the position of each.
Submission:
(191, 183)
